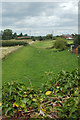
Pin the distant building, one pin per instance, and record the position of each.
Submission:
(24, 37)
(75, 49)
(67, 36)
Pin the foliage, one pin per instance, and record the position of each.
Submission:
(33, 38)
(58, 98)
(17, 97)
(77, 39)
(14, 36)
(13, 43)
(20, 35)
(7, 34)
(25, 35)
(40, 38)
(60, 44)
(48, 36)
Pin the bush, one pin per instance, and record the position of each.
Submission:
(59, 94)
(60, 44)
(13, 43)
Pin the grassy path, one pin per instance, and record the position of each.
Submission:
(30, 62)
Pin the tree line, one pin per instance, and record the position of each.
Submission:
(7, 34)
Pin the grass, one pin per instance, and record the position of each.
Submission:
(43, 44)
(49, 43)
(8, 50)
(30, 63)
(70, 41)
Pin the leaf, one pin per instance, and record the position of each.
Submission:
(30, 95)
(24, 100)
(73, 109)
(8, 109)
(22, 105)
(25, 109)
(29, 102)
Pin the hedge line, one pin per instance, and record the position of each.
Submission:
(12, 43)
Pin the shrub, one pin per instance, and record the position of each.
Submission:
(13, 43)
(60, 94)
(60, 44)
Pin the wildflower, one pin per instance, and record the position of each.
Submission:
(15, 104)
(57, 87)
(34, 100)
(44, 110)
(48, 92)
(22, 86)
(55, 95)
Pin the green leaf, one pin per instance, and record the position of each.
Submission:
(22, 105)
(7, 110)
(24, 100)
(25, 109)
(29, 102)
(30, 95)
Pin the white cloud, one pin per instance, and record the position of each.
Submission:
(43, 17)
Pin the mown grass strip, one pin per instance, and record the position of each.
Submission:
(30, 62)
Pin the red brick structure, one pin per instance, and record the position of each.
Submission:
(76, 49)
(24, 37)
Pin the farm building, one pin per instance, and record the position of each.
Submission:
(75, 49)
(24, 37)
(67, 36)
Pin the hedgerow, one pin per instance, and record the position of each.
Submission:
(13, 43)
(58, 98)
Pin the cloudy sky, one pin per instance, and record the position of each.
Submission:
(41, 18)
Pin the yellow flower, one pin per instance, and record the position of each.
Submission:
(15, 104)
(48, 92)
(22, 86)
(0, 104)
(34, 100)
(57, 87)
(55, 95)
(44, 110)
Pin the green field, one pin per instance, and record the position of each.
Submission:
(43, 44)
(49, 43)
(30, 63)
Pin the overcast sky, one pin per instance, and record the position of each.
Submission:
(41, 18)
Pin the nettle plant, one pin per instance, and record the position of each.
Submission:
(57, 98)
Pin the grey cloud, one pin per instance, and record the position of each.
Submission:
(36, 15)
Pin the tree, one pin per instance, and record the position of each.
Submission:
(77, 39)
(20, 35)
(60, 44)
(15, 35)
(33, 38)
(40, 38)
(49, 36)
(25, 35)
(7, 34)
